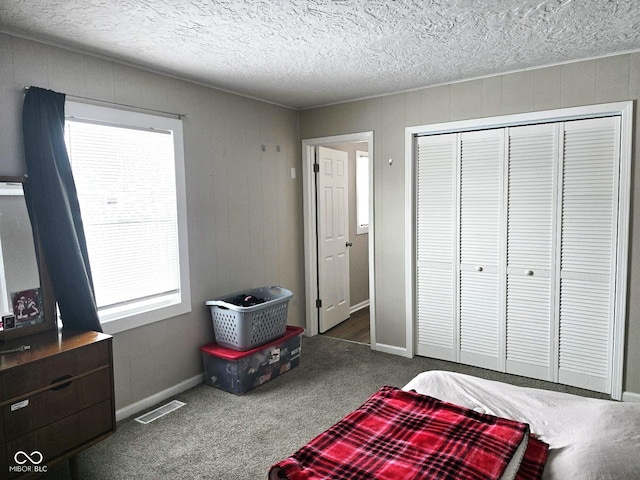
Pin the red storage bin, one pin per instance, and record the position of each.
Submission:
(238, 372)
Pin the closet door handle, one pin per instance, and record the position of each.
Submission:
(528, 273)
(479, 268)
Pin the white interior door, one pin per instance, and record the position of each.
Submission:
(588, 252)
(481, 163)
(435, 246)
(333, 238)
(531, 225)
(540, 257)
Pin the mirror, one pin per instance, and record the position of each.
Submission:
(24, 296)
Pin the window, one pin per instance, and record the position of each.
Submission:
(129, 173)
(362, 192)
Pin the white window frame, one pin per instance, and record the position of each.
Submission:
(155, 310)
(362, 200)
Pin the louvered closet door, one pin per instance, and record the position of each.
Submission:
(435, 246)
(587, 258)
(481, 160)
(532, 157)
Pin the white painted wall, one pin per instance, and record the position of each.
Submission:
(244, 210)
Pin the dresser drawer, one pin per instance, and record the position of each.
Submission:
(26, 378)
(65, 435)
(36, 411)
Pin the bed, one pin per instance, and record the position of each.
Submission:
(589, 439)
(543, 434)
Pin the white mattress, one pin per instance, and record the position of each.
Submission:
(589, 439)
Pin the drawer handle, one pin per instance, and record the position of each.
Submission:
(479, 269)
(60, 379)
(528, 272)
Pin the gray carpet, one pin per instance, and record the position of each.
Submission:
(218, 435)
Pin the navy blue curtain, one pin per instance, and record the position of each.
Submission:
(53, 207)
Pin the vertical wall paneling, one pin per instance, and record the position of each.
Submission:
(553, 88)
(222, 161)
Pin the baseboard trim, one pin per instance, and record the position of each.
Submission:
(137, 407)
(631, 397)
(359, 306)
(392, 349)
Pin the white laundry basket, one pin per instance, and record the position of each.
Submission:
(243, 328)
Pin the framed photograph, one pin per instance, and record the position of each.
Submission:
(27, 307)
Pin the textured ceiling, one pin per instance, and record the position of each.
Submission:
(302, 53)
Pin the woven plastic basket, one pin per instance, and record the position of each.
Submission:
(243, 328)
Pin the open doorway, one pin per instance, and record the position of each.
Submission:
(325, 245)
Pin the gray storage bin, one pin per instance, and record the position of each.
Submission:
(243, 328)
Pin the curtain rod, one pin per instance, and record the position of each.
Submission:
(179, 116)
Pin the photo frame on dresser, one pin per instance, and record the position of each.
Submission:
(27, 302)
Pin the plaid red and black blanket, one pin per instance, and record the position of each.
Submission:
(398, 435)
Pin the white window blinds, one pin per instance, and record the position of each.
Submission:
(125, 178)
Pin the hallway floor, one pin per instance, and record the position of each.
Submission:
(354, 329)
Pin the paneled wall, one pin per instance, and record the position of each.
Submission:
(245, 216)
(244, 209)
(602, 80)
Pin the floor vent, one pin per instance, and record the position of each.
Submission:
(160, 412)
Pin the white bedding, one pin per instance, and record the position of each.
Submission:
(589, 439)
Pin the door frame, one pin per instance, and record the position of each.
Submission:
(309, 147)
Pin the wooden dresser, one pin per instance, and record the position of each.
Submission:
(56, 400)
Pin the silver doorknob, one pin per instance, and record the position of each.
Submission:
(348, 244)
